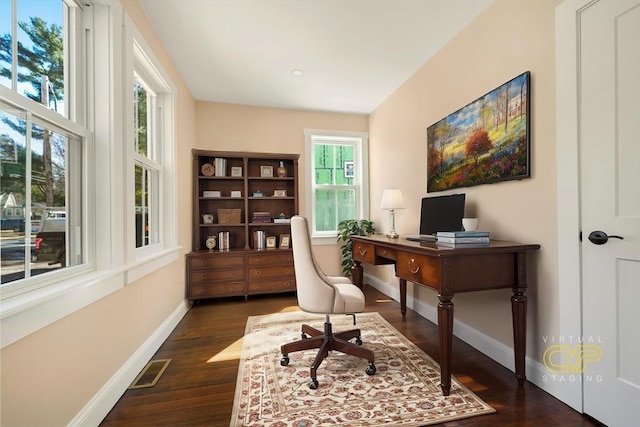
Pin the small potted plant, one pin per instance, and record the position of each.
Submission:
(347, 228)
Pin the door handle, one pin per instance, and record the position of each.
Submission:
(600, 237)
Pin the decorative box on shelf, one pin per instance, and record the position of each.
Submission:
(229, 216)
(211, 194)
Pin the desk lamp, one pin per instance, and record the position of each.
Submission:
(392, 200)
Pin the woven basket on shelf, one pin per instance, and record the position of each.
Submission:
(229, 216)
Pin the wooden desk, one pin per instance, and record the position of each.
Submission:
(449, 271)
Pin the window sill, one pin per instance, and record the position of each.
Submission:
(26, 313)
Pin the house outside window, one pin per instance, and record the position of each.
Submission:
(337, 177)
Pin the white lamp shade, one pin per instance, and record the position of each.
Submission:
(392, 199)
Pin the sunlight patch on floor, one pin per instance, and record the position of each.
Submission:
(233, 351)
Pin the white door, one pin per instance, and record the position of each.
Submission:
(609, 141)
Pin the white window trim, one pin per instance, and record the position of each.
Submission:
(362, 158)
(107, 269)
(140, 58)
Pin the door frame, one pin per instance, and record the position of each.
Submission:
(568, 183)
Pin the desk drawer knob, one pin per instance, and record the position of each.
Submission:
(204, 277)
(410, 264)
(363, 252)
(203, 263)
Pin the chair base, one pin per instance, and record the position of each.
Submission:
(325, 342)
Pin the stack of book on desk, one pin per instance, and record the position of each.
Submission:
(462, 239)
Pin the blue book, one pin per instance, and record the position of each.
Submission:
(462, 234)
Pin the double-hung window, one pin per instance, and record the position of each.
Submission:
(151, 148)
(44, 140)
(337, 178)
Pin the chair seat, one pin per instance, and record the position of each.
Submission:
(352, 297)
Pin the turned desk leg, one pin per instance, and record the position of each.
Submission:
(357, 274)
(519, 314)
(445, 332)
(403, 296)
(519, 317)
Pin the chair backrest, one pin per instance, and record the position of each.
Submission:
(315, 293)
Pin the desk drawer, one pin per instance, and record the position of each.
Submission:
(387, 253)
(421, 269)
(364, 252)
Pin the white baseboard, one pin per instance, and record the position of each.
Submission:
(501, 353)
(99, 406)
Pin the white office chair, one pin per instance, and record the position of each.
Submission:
(322, 294)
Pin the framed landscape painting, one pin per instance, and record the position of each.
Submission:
(484, 142)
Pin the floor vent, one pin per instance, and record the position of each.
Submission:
(150, 374)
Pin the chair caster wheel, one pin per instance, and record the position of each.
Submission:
(358, 341)
(284, 361)
(371, 369)
(313, 384)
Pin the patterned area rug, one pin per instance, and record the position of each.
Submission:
(403, 392)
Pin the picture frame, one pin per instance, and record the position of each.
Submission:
(349, 169)
(236, 193)
(271, 242)
(285, 241)
(484, 142)
(279, 193)
(266, 171)
(236, 171)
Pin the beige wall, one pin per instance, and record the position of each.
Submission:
(272, 130)
(50, 375)
(510, 37)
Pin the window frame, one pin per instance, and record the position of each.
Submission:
(109, 237)
(360, 142)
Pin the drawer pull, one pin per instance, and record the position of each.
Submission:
(384, 252)
(287, 284)
(257, 273)
(362, 252)
(204, 277)
(203, 290)
(203, 262)
(410, 264)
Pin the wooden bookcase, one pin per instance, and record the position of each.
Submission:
(242, 269)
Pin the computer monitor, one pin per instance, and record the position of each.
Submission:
(441, 213)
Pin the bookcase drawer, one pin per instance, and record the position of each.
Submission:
(282, 285)
(279, 271)
(217, 290)
(215, 261)
(270, 259)
(208, 276)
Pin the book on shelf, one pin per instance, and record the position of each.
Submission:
(462, 234)
(261, 217)
(479, 239)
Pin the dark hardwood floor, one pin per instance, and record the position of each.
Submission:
(198, 387)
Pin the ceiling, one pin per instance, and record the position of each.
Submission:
(352, 53)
